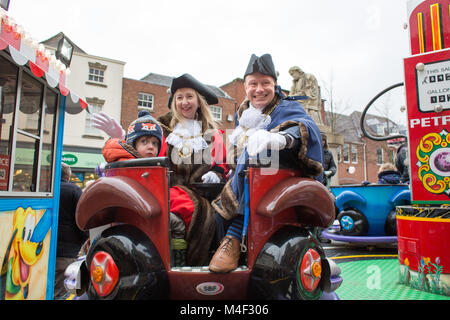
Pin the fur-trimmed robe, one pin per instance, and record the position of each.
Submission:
(308, 158)
(195, 211)
(201, 229)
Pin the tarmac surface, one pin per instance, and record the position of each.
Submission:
(371, 272)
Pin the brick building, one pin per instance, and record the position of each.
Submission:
(236, 90)
(361, 153)
(151, 93)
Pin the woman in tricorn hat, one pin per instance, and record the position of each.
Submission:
(197, 154)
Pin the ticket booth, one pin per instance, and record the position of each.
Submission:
(424, 228)
(33, 101)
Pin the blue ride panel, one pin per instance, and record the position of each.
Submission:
(375, 201)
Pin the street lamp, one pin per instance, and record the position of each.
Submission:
(4, 4)
(65, 50)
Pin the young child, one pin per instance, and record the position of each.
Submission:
(387, 174)
(144, 139)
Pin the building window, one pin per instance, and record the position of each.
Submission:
(216, 112)
(354, 153)
(89, 129)
(391, 154)
(379, 156)
(145, 101)
(32, 122)
(345, 152)
(96, 75)
(339, 155)
(380, 129)
(82, 178)
(27, 133)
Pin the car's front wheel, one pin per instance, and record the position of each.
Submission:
(124, 264)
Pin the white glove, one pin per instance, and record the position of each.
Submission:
(108, 124)
(328, 173)
(210, 177)
(262, 140)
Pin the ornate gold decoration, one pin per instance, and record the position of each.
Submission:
(431, 180)
(185, 151)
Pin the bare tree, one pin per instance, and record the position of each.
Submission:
(334, 106)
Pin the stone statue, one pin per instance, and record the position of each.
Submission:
(305, 84)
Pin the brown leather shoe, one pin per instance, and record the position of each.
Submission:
(226, 257)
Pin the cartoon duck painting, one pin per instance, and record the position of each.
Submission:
(24, 249)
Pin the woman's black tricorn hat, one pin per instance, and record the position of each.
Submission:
(263, 64)
(188, 81)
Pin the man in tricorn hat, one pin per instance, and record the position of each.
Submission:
(266, 120)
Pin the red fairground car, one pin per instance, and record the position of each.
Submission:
(131, 256)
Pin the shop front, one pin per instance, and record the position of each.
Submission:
(83, 164)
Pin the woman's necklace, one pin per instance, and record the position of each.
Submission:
(186, 148)
(186, 143)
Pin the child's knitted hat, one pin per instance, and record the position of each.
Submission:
(144, 125)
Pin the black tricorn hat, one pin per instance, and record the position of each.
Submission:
(263, 64)
(188, 81)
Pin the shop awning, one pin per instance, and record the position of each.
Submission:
(25, 50)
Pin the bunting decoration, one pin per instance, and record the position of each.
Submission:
(41, 61)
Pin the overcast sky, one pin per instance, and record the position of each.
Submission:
(354, 47)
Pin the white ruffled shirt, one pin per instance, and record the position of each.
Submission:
(181, 133)
(250, 121)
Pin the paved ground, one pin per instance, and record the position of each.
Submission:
(371, 273)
